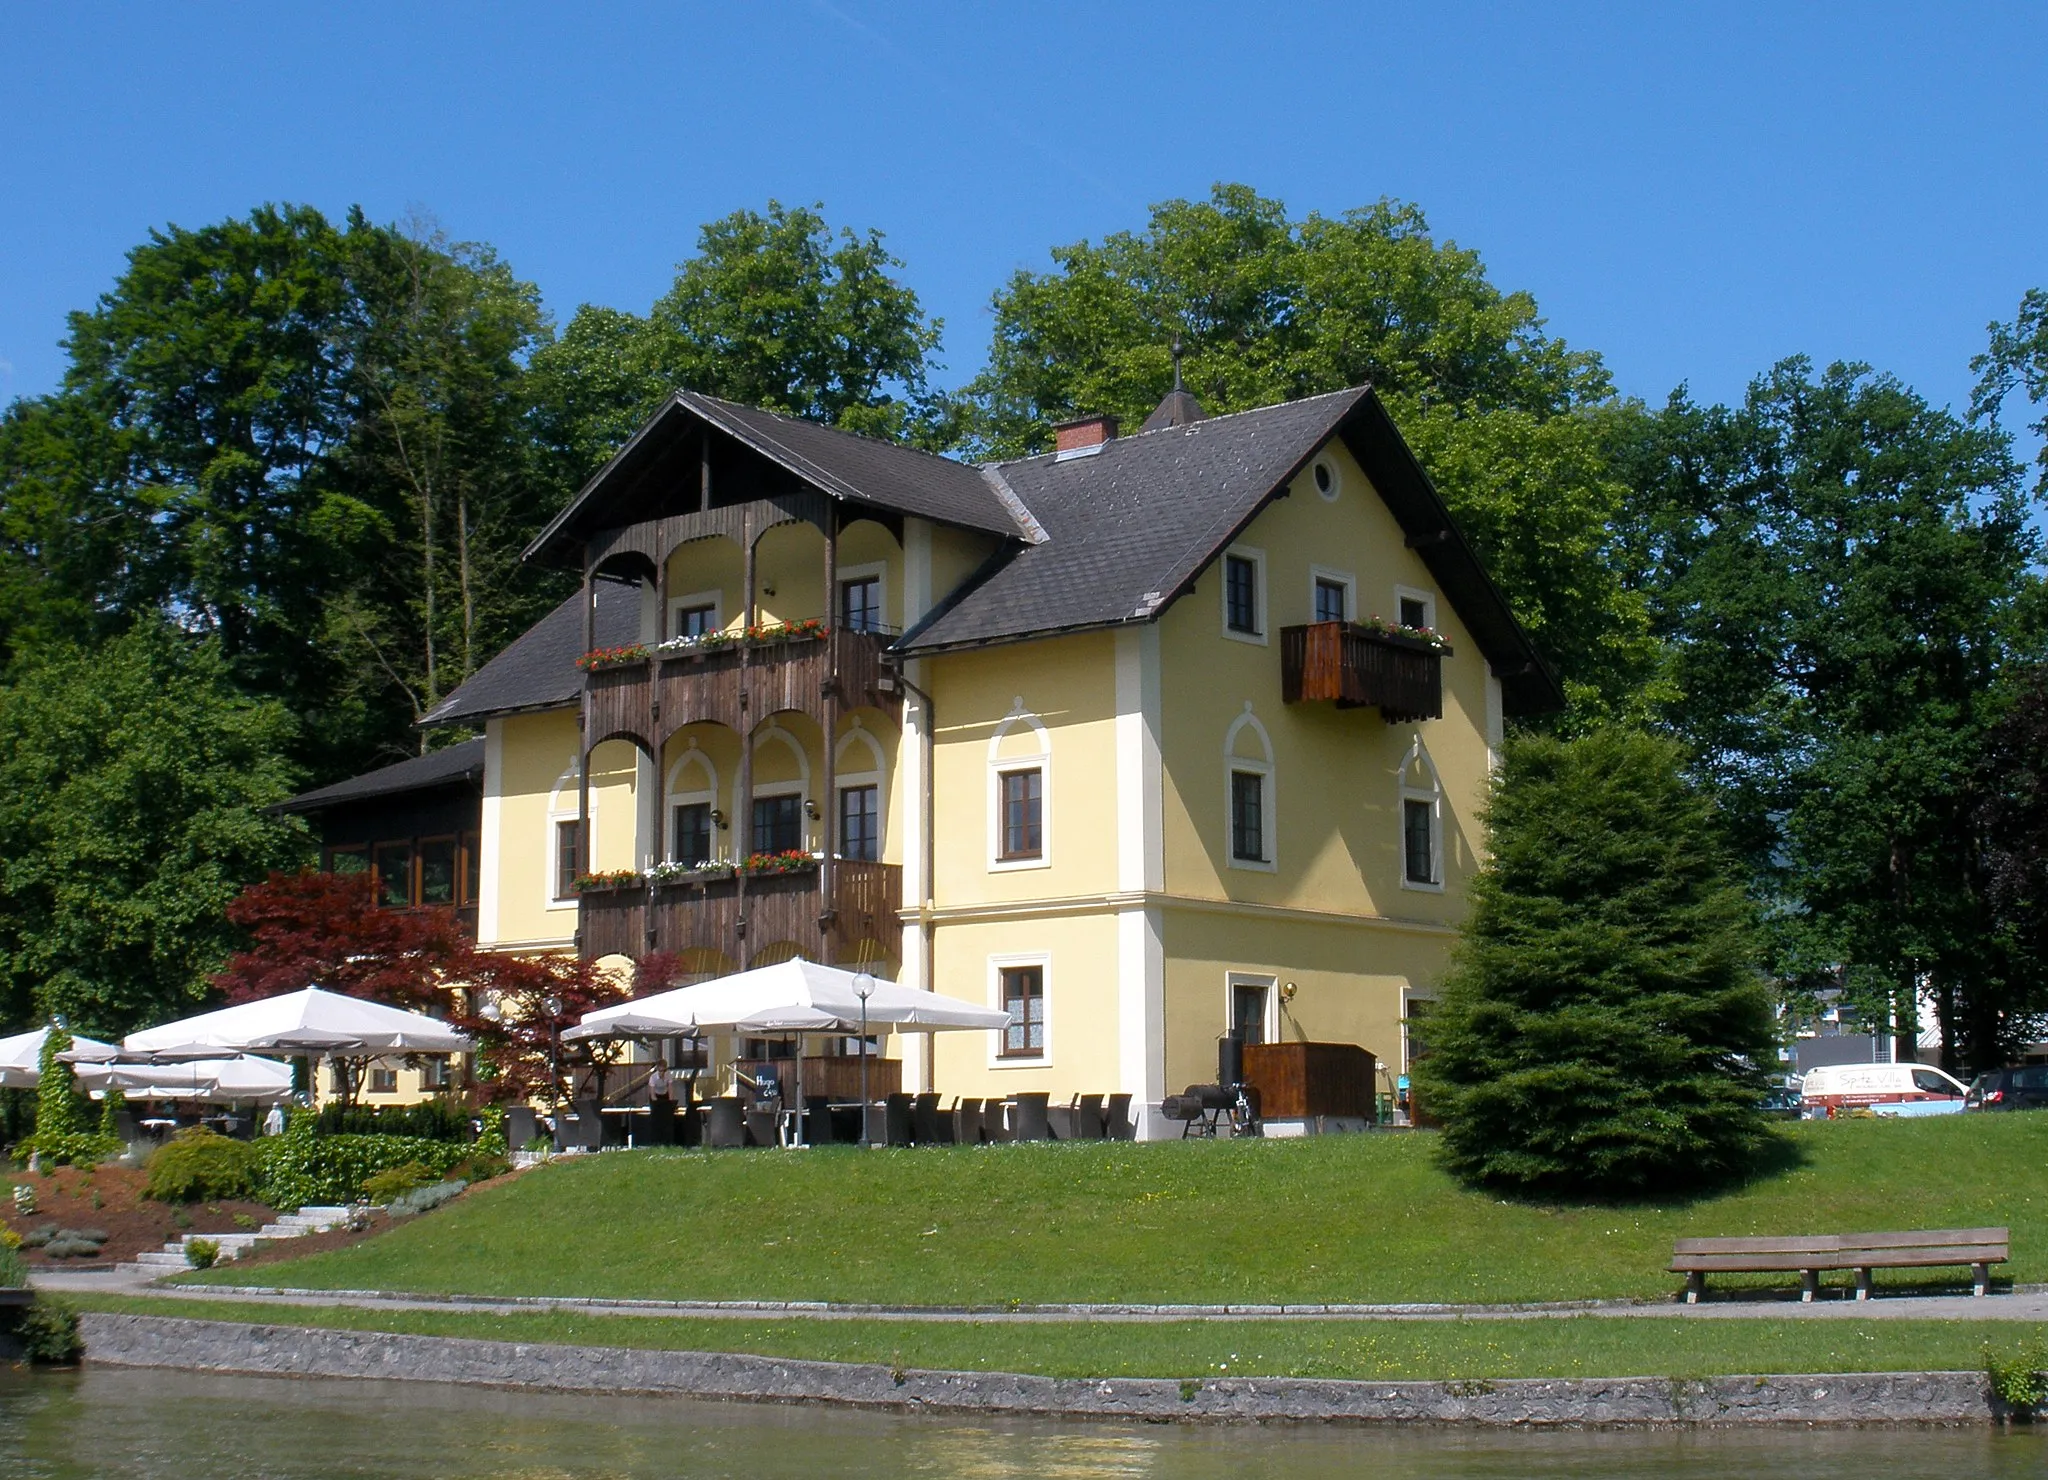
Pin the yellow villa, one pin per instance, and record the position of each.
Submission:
(1146, 739)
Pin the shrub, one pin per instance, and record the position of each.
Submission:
(424, 1199)
(2020, 1383)
(13, 1269)
(490, 1140)
(35, 1238)
(1602, 1021)
(59, 1110)
(202, 1253)
(48, 1333)
(440, 1119)
(111, 1106)
(403, 1178)
(302, 1168)
(82, 1149)
(478, 1168)
(75, 1243)
(9, 1239)
(198, 1165)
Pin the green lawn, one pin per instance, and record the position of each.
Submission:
(1366, 1218)
(1576, 1346)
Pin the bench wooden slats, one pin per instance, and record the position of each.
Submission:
(1809, 1254)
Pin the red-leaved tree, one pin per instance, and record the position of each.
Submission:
(518, 1007)
(327, 930)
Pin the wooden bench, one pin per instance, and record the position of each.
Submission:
(1808, 1255)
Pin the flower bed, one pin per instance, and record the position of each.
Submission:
(613, 657)
(792, 862)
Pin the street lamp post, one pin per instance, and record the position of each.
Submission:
(863, 988)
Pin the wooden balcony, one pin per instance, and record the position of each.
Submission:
(651, 698)
(740, 916)
(1356, 666)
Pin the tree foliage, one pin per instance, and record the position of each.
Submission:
(327, 930)
(134, 780)
(1512, 424)
(775, 310)
(1840, 574)
(1602, 1025)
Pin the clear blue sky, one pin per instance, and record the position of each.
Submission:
(1693, 192)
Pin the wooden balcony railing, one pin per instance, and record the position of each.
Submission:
(739, 917)
(1354, 666)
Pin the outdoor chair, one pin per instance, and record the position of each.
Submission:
(725, 1124)
(1117, 1119)
(1059, 1121)
(995, 1121)
(896, 1120)
(967, 1122)
(1031, 1123)
(589, 1125)
(927, 1126)
(818, 1120)
(128, 1126)
(764, 1127)
(521, 1126)
(1088, 1117)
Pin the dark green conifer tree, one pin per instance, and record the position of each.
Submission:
(1603, 1029)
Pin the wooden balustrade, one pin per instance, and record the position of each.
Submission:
(739, 918)
(1357, 666)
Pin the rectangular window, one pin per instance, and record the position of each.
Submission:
(348, 861)
(383, 1080)
(437, 871)
(567, 865)
(692, 834)
(778, 824)
(1024, 1001)
(1241, 594)
(394, 875)
(695, 621)
(1418, 841)
(1330, 600)
(1023, 813)
(1248, 1011)
(1248, 816)
(436, 1073)
(860, 604)
(1415, 1029)
(1414, 612)
(472, 868)
(860, 822)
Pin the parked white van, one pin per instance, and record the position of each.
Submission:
(1897, 1089)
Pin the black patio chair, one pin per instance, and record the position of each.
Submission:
(1117, 1119)
(1030, 1122)
(927, 1126)
(1088, 1117)
(818, 1128)
(725, 1124)
(661, 1123)
(967, 1122)
(1059, 1121)
(896, 1120)
(521, 1126)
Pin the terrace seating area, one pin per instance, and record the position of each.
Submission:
(732, 1122)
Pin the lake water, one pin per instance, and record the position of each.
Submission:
(139, 1425)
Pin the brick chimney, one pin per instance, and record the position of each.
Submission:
(1083, 437)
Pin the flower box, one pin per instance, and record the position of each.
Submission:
(612, 657)
(779, 863)
(615, 879)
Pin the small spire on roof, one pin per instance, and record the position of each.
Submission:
(1180, 408)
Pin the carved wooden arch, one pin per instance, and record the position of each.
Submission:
(657, 539)
(632, 737)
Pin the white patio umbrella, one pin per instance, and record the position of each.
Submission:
(794, 996)
(308, 1023)
(21, 1057)
(218, 1081)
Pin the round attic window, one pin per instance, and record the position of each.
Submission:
(1327, 479)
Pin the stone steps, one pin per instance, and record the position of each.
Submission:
(172, 1257)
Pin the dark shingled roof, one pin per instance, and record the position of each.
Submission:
(464, 762)
(1129, 528)
(843, 464)
(538, 671)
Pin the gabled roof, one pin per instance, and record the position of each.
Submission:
(842, 464)
(1129, 528)
(538, 671)
(449, 767)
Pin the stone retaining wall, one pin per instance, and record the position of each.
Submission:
(298, 1351)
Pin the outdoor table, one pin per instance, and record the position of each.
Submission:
(624, 1114)
(159, 1126)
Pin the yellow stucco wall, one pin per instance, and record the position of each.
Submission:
(1078, 955)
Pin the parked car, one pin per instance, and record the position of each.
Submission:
(1884, 1089)
(2010, 1089)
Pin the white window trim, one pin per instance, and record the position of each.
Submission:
(1412, 593)
(1232, 980)
(1325, 460)
(874, 569)
(713, 599)
(742, 809)
(560, 811)
(1269, 808)
(1410, 995)
(1433, 794)
(998, 764)
(1043, 961)
(844, 779)
(1344, 578)
(1258, 559)
(673, 797)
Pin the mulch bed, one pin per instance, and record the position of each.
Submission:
(109, 1199)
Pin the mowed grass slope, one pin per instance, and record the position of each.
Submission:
(1367, 1218)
